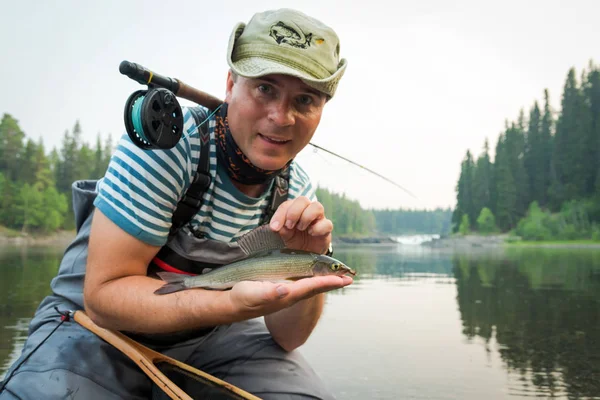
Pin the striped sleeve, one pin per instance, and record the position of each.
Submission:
(300, 184)
(142, 187)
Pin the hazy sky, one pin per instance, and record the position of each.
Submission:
(425, 82)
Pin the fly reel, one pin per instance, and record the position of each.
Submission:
(154, 119)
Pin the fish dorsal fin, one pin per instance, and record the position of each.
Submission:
(259, 240)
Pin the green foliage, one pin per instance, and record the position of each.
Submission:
(538, 225)
(465, 226)
(554, 162)
(486, 222)
(573, 222)
(465, 190)
(11, 147)
(35, 187)
(482, 181)
(347, 215)
(55, 205)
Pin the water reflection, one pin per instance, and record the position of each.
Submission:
(394, 261)
(541, 310)
(26, 274)
(521, 323)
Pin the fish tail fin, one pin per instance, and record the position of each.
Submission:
(175, 283)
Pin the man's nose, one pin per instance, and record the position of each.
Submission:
(281, 114)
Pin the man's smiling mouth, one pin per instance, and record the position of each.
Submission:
(274, 139)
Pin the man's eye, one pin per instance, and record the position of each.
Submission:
(264, 88)
(305, 100)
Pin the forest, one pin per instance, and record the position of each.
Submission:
(350, 219)
(35, 185)
(544, 181)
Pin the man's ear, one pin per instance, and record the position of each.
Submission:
(229, 86)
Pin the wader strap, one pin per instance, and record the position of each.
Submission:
(280, 194)
(191, 201)
(168, 260)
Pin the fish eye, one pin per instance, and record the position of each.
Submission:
(335, 267)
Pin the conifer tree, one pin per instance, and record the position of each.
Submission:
(11, 147)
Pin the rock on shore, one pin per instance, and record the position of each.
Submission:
(364, 240)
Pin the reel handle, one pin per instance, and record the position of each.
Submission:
(144, 76)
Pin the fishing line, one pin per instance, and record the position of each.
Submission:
(136, 118)
(202, 123)
(65, 316)
(316, 151)
(365, 168)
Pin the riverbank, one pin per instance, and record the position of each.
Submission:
(475, 242)
(9, 237)
(556, 244)
(342, 239)
(467, 242)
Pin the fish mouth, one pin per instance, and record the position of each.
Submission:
(350, 271)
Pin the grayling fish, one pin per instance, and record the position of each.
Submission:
(266, 261)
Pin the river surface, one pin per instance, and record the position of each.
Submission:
(418, 323)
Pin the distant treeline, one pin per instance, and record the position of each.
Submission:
(405, 221)
(544, 182)
(349, 218)
(35, 187)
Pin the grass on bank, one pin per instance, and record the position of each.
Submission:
(519, 242)
(10, 233)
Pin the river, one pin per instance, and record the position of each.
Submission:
(418, 323)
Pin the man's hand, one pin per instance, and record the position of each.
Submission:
(291, 310)
(302, 225)
(253, 299)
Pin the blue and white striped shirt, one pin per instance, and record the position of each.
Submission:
(141, 188)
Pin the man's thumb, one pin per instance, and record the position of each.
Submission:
(282, 291)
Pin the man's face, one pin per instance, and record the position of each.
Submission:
(272, 118)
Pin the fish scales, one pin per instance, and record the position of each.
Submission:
(274, 266)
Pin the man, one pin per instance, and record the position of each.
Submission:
(284, 67)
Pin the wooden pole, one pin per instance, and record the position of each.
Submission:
(146, 359)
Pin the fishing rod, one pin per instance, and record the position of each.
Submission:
(160, 368)
(154, 119)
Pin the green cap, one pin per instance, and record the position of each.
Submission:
(287, 42)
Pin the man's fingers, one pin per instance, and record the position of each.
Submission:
(312, 213)
(278, 219)
(295, 210)
(260, 298)
(309, 287)
(321, 227)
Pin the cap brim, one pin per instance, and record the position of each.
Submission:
(255, 67)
